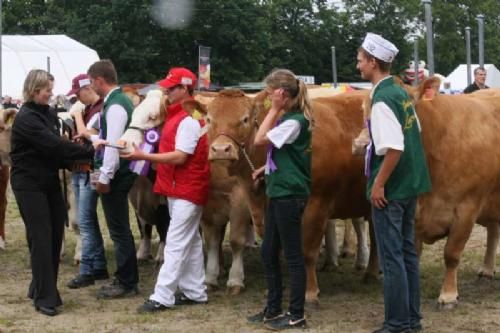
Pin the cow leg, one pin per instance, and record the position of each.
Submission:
(144, 252)
(240, 223)
(455, 244)
(4, 180)
(488, 269)
(314, 225)
(331, 248)
(212, 233)
(162, 224)
(362, 257)
(373, 269)
(348, 245)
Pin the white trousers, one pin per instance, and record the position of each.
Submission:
(183, 267)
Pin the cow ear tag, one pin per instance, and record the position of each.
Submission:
(197, 115)
(267, 103)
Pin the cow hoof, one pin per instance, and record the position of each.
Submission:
(311, 305)
(212, 287)
(441, 306)
(369, 278)
(329, 266)
(482, 276)
(234, 290)
(347, 254)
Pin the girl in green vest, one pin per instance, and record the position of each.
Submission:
(286, 132)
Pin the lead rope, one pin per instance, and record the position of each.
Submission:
(250, 163)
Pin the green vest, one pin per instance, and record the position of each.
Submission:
(124, 178)
(293, 176)
(411, 175)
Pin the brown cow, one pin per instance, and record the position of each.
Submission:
(459, 135)
(6, 119)
(338, 183)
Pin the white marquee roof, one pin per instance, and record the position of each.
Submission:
(21, 53)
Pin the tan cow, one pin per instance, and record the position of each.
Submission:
(6, 120)
(338, 183)
(459, 135)
(226, 201)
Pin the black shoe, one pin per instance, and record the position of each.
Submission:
(101, 274)
(116, 290)
(181, 299)
(284, 322)
(81, 281)
(151, 306)
(386, 330)
(416, 329)
(47, 310)
(263, 316)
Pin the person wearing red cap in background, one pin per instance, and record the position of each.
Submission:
(93, 261)
(183, 175)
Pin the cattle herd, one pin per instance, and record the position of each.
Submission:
(459, 136)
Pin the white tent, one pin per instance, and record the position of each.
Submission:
(458, 78)
(20, 54)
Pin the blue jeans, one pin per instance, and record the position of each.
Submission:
(395, 235)
(283, 229)
(93, 258)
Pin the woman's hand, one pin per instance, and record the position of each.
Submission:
(136, 155)
(99, 143)
(258, 172)
(279, 98)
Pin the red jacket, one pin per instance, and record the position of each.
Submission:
(189, 181)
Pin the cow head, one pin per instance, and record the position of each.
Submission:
(133, 94)
(148, 114)
(6, 119)
(231, 120)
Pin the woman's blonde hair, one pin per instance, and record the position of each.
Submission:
(36, 80)
(297, 89)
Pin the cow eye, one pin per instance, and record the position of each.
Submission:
(245, 120)
(208, 121)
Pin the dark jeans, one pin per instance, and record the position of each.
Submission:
(115, 206)
(283, 229)
(395, 235)
(44, 214)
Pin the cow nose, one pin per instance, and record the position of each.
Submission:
(222, 151)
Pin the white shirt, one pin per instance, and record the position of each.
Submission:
(187, 136)
(285, 133)
(116, 121)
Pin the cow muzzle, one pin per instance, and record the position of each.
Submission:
(223, 151)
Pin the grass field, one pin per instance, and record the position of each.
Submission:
(347, 305)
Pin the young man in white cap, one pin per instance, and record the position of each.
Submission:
(183, 176)
(397, 173)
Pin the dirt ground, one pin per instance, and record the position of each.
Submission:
(347, 305)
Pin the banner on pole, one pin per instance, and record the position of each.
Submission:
(204, 67)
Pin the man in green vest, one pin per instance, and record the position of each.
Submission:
(113, 179)
(397, 173)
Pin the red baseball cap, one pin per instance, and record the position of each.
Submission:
(177, 76)
(78, 83)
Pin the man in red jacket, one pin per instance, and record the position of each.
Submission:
(183, 175)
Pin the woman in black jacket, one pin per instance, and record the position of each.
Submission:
(38, 152)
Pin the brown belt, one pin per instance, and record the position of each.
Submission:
(81, 168)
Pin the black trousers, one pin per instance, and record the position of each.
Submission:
(283, 230)
(44, 214)
(115, 206)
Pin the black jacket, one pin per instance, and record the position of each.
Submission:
(38, 152)
(473, 87)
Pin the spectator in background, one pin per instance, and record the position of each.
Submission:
(479, 81)
(7, 103)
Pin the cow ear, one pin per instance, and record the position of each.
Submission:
(9, 115)
(195, 108)
(428, 89)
